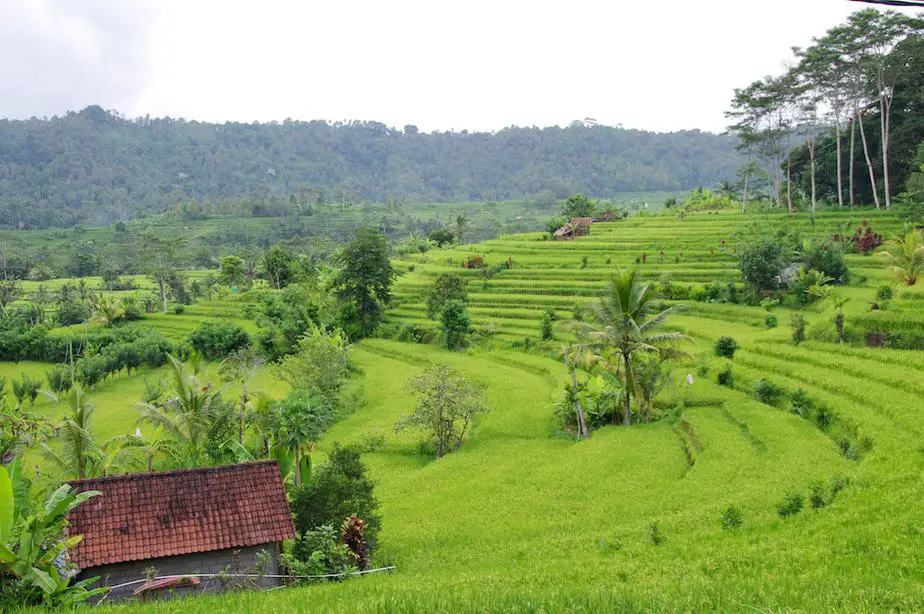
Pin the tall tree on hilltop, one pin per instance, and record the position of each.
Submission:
(878, 33)
(822, 65)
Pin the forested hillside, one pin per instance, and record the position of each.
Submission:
(96, 167)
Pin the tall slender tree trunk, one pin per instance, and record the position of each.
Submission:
(853, 156)
(869, 163)
(298, 466)
(812, 165)
(778, 181)
(840, 170)
(627, 418)
(789, 182)
(885, 111)
(240, 427)
(163, 294)
(744, 192)
(582, 423)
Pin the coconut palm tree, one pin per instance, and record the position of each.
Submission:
(241, 365)
(78, 450)
(623, 324)
(107, 311)
(905, 254)
(184, 417)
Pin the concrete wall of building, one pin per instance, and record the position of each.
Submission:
(255, 559)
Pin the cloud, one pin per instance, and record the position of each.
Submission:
(60, 55)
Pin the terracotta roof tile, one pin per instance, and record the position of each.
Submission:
(149, 515)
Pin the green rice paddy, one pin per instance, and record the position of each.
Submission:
(525, 519)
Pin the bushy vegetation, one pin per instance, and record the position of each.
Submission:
(215, 340)
(333, 493)
(726, 347)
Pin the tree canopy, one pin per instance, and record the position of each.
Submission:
(94, 166)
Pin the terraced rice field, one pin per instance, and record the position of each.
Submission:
(524, 519)
(555, 275)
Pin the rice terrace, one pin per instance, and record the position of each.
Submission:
(343, 367)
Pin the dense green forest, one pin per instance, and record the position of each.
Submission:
(93, 166)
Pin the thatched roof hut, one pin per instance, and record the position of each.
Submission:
(581, 225)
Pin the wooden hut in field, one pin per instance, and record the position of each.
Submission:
(576, 227)
(581, 225)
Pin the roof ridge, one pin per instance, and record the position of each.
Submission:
(172, 472)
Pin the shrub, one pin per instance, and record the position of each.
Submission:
(335, 491)
(546, 331)
(884, 292)
(823, 418)
(797, 322)
(726, 377)
(827, 257)
(713, 292)
(767, 392)
(215, 340)
(654, 532)
(317, 552)
(817, 495)
(415, 333)
(666, 286)
(447, 287)
(179, 308)
(726, 347)
(760, 263)
(732, 292)
(473, 261)
(59, 379)
(353, 534)
(770, 321)
(456, 322)
(790, 505)
(802, 404)
(732, 518)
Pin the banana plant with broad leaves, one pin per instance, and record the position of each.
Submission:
(33, 545)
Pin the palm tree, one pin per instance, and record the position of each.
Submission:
(461, 223)
(906, 256)
(185, 416)
(626, 325)
(78, 448)
(107, 311)
(241, 365)
(726, 189)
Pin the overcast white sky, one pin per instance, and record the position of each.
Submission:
(478, 65)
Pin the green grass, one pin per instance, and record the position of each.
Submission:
(524, 519)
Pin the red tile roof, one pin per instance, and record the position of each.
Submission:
(150, 515)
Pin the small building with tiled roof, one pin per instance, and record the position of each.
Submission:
(217, 520)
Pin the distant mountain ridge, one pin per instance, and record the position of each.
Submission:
(94, 166)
